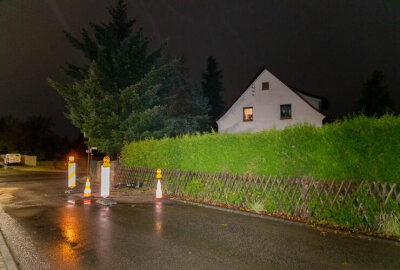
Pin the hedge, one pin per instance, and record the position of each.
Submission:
(358, 148)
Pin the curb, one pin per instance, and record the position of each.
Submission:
(272, 218)
(240, 212)
(5, 252)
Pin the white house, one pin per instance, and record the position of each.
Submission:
(269, 103)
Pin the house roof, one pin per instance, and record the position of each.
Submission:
(324, 100)
(294, 90)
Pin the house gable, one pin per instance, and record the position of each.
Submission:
(266, 107)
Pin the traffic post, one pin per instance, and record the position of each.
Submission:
(71, 172)
(105, 178)
(159, 190)
(105, 183)
(71, 175)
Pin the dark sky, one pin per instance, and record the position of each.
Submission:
(328, 48)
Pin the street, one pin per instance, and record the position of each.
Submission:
(44, 231)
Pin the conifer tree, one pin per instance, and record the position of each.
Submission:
(123, 92)
(375, 98)
(187, 109)
(120, 88)
(212, 88)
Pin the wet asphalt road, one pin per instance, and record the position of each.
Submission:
(45, 232)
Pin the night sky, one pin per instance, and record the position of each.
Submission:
(327, 48)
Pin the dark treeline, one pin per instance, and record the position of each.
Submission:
(376, 99)
(33, 136)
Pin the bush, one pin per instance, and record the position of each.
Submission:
(359, 148)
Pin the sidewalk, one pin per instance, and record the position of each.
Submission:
(6, 259)
(121, 195)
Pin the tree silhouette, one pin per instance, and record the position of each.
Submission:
(121, 54)
(121, 94)
(212, 88)
(375, 98)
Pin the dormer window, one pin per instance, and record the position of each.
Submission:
(265, 86)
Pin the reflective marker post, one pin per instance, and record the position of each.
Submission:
(71, 172)
(105, 183)
(105, 178)
(71, 176)
(159, 190)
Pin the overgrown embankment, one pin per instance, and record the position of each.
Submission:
(360, 148)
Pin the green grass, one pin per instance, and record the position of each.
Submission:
(257, 207)
(360, 148)
(278, 200)
(389, 224)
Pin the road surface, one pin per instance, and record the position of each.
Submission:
(43, 231)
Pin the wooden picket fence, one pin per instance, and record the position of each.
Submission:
(301, 197)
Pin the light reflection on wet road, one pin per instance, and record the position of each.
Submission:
(166, 235)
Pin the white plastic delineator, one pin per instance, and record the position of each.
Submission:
(71, 174)
(105, 182)
(159, 190)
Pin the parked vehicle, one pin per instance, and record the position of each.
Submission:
(12, 159)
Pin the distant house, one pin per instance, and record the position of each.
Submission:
(269, 103)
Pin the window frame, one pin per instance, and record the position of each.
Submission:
(262, 86)
(252, 114)
(286, 117)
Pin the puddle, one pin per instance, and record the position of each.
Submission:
(24, 212)
(30, 203)
(6, 197)
(8, 189)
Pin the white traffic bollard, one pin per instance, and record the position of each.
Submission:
(105, 183)
(105, 179)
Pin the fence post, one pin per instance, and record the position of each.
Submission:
(98, 171)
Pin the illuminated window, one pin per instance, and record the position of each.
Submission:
(286, 111)
(248, 114)
(265, 86)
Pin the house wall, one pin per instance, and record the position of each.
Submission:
(266, 108)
